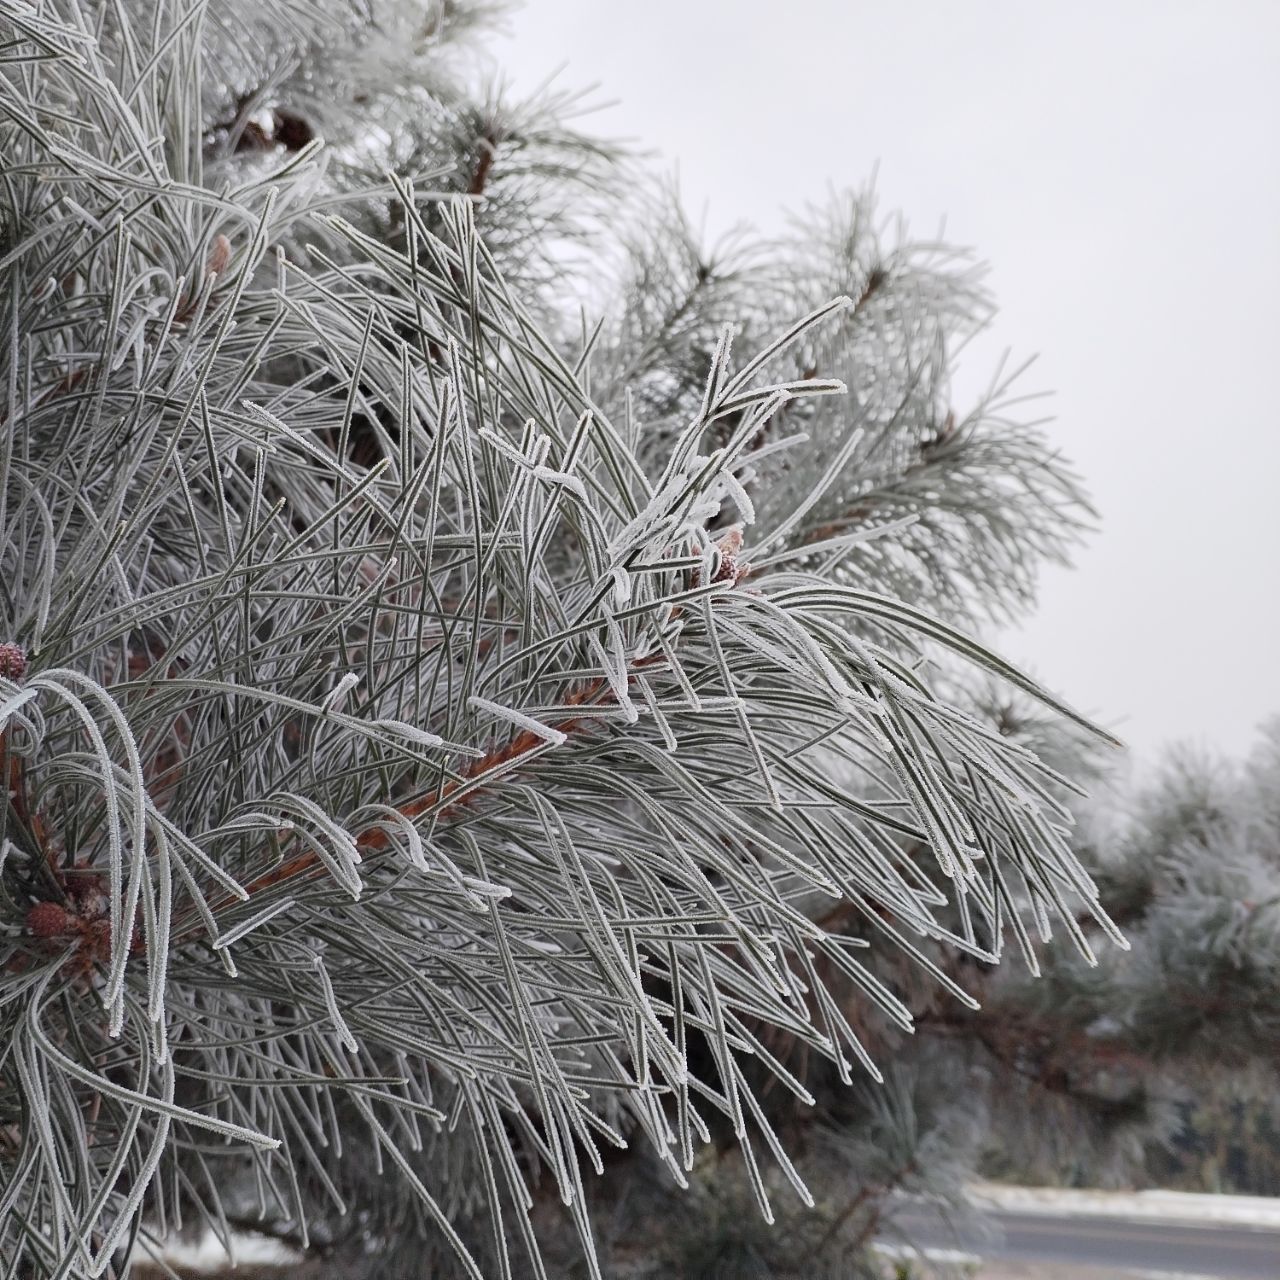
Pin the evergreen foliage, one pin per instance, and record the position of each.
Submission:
(487, 684)
(1161, 1068)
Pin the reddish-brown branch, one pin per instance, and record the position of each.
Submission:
(219, 256)
(64, 386)
(24, 811)
(377, 838)
(864, 1194)
(488, 145)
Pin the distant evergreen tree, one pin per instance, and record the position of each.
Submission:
(1161, 1066)
(487, 690)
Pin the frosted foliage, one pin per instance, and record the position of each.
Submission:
(976, 497)
(1112, 1064)
(1208, 955)
(408, 744)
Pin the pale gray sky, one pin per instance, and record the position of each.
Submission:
(1117, 164)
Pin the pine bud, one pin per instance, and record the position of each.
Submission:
(48, 920)
(219, 256)
(13, 661)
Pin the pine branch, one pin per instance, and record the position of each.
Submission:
(479, 777)
(285, 541)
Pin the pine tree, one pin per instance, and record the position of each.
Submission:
(1134, 1072)
(487, 682)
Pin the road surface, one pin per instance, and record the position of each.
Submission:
(1225, 1252)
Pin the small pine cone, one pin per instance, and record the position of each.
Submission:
(48, 920)
(13, 661)
(728, 570)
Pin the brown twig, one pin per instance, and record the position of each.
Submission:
(25, 812)
(862, 1196)
(377, 838)
(215, 264)
(488, 145)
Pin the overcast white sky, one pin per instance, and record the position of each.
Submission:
(1117, 164)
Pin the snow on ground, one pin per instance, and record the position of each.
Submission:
(1017, 1270)
(1138, 1206)
(206, 1255)
(954, 1263)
